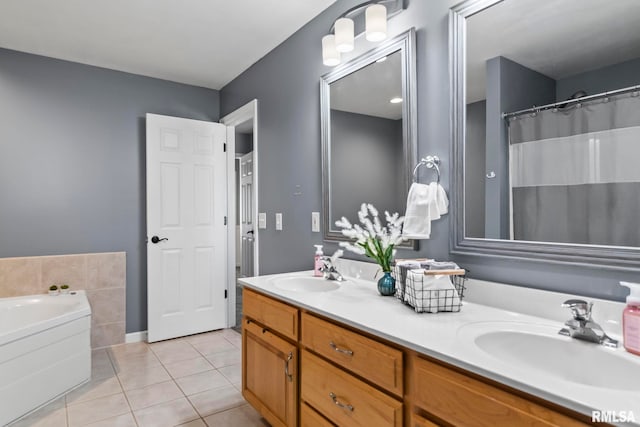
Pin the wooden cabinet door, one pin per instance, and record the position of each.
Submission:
(269, 374)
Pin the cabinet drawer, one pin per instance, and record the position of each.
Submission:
(418, 421)
(279, 317)
(310, 418)
(372, 360)
(464, 401)
(343, 399)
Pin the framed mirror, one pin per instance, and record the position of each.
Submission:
(546, 130)
(368, 110)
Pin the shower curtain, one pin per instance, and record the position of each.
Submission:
(575, 173)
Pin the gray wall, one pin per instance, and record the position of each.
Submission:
(286, 84)
(72, 160)
(613, 77)
(510, 87)
(474, 180)
(364, 153)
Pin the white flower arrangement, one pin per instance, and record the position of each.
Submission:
(371, 238)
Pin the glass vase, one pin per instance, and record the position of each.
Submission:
(387, 284)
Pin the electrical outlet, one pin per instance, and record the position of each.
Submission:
(278, 221)
(262, 220)
(315, 222)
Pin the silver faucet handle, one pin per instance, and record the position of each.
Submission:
(581, 310)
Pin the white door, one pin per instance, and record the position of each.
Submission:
(246, 214)
(186, 227)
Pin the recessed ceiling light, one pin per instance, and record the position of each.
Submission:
(384, 58)
(395, 100)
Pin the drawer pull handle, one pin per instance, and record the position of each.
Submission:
(286, 367)
(340, 350)
(340, 404)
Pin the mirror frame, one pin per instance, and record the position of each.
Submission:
(405, 43)
(614, 257)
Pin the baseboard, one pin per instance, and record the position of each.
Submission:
(135, 337)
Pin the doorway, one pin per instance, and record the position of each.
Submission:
(245, 263)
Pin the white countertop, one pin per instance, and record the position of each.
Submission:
(357, 303)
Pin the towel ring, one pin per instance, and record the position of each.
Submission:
(430, 162)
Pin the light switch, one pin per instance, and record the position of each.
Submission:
(262, 220)
(315, 222)
(278, 221)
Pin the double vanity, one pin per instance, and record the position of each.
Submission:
(322, 353)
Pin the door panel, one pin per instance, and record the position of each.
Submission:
(187, 208)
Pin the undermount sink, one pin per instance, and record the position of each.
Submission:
(539, 348)
(304, 284)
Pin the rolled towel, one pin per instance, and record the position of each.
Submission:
(430, 293)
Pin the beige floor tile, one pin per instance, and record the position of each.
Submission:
(216, 400)
(53, 414)
(99, 409)
(168, 344)
(230, 333)
(203, 381)
(129, 349)
(134, 362)
(205, 336)
(93, 389)
(188, 367)
(225, 358)
(232, 372)
(235, 340)
(244, 416)
(196, 423)
(153, 395)
(213, 345)
(176, 353)
(101, 366)
(167, 414)
(137, 379)
(238, 386)
(125, 420)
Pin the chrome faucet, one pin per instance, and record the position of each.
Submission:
(328, 268)
(582, 327)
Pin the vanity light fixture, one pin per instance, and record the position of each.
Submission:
(396, 100)
(376, 21)
(375, 13)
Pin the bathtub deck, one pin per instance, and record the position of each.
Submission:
(194, 381)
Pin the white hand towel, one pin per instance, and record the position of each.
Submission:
(417, 219)
(442, 200)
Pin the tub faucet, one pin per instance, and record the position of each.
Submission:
(582, 327)
(328, 268)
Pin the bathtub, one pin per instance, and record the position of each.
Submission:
(45, 350)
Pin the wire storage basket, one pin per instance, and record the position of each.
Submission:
(430, 291)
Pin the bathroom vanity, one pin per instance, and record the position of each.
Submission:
(349, 357)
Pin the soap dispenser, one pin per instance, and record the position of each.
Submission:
(631, 319)
(317, 263)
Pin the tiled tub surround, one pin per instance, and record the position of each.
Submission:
(357, 304)
(193, 381)
(102, 275)
(44, 350)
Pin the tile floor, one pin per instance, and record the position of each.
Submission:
(193, 381)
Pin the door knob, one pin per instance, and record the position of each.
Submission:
(156, 239)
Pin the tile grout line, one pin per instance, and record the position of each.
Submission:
(135, 420)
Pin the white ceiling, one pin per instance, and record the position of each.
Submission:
(557, 38)
(368, 90)
(199, 42)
